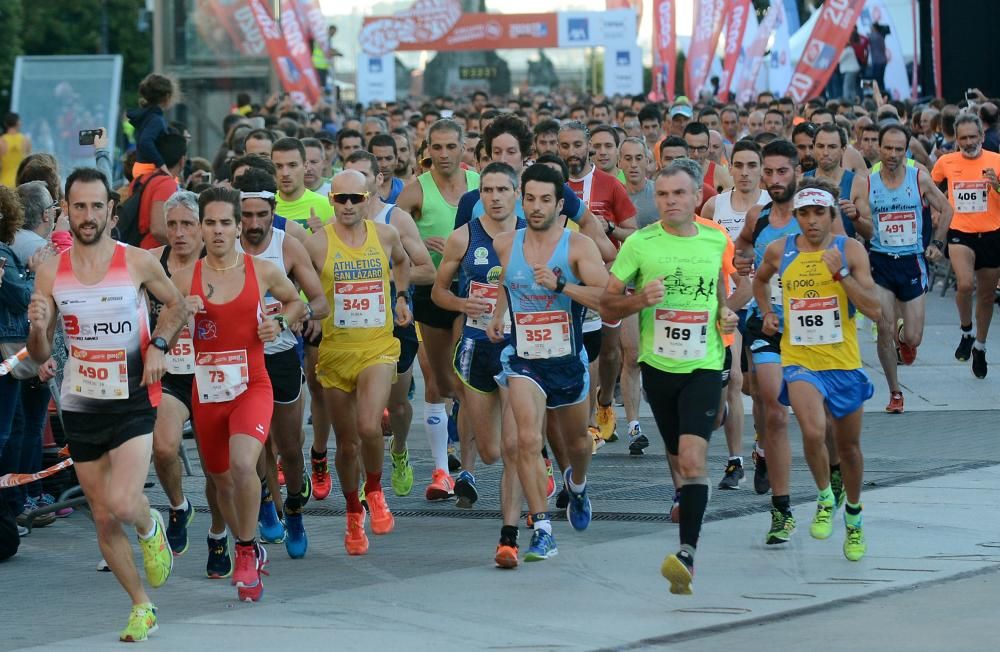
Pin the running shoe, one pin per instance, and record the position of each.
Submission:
(247, 576)
(141, 623)
(675, 507)
(281, 474)
(42, 520)
(637, 442)
(47, 500)
(895, 403)
(822, 525)
(220, 563)
(562, 500)
(382, 519)
(964, 349)
(761, 483)
(402, 473)
(22, 531)
(550, 487)
(321, 483)
(855, 546)
(355, 539)
(733, 476)
(678, 569)
(177, 529)
(386, 424)
(454, 464)
(578, 511)
(442, 487)
(979, 363)
(272, 530)
(362, 497)
(156, 557)
(782, 526)
(506, 556)
(907, 353)
(543, 546)
(837, 487)
(410, 393)
(296, 541)
(606, 422)
(596, 440)
(307, 488)
(465, 490)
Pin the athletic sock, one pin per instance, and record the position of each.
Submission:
(574, 487)
(826, 496)
(294, 504)
(353, 502)
(694, 499)
(852, 515)
(782, 503)
(979, 346)
(508, 535)
(634, 424)
(436, 426)
(542, 522)
(182, 507)
(218, 537)
(736, 459)
(317, 456)
(835, 468)
(545, 452)
(147, 535)
(373, 482)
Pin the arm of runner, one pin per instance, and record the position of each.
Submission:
(743, 260)
(422, 267)
(919, 153)
(761, 285)
(293, 309)
(301, 269)
(586, 260)
(315, 246)
(441, 293)
(854, 161)
(590, 226)
(296, 230)
(410, 198)
(859, 286)
(158, 221)
(938, 202)
(400, 273)
(708, 210)
(858, 209)
(172, 318)
(727, 318)
(495, 329)
(742, 294)
(42, 313)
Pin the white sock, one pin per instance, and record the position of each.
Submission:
(574, 487)
(218, 537)
(436, 427)
(634, 424)
(182, 507)
(146, 535)
(545, 526)
(736, 458)
(979, 346)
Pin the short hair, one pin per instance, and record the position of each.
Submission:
(362, 155)
(785, 100)
(747, 145)
(446, 124)
(969, 118)
(680, 166)
(650, 112)
(254, 162)
(10, 120)
(708, 110)
(38, 169)
(781, 147)
(777, 113)
(87, 175)
(172, 147)
(692, 167)
(315, 143)
(344, 134)
(832, 129)
(806, 128)
(695, 128)
(765, 137)
(499, 167)
(288, 144)
(823, 111)
(383, 140)
(546, 127)
(633, 140)
(379, 121)
(509, 124)
(674, 141)
(575, 125)
(557, 160)
(223, 195)
(254, 180)
(871, 127)
(182, 198)
(480, 152)
(258, 134)
(607, 129)
(35, 199)
(897, 126)
(543, 174)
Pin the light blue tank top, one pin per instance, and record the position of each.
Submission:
(897, 215)
(764, 234)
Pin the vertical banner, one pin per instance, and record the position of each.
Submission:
(237, 20)
(708, 19)
(376, 80)
(622, 70)
(936, 39)
(664, 50)
(736, 24)
(298, 49)
(780, 63)
(755, 55)
(265, 29)
(822, 51)
(792, 15)
(897, 86)
(311, 17)
(743, 63)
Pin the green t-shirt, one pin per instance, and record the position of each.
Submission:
(298, 210)
(680, 335)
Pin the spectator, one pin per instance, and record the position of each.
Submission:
(990, 116)
(850, 69)
(14, 146)
(156, 94)
(877, 50)
(158, 186)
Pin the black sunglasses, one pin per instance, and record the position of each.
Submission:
(353, 197)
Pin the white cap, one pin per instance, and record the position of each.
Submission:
(813, 197)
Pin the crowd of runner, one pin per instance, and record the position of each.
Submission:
(539, 258)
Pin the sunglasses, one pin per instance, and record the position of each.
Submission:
(353, 197)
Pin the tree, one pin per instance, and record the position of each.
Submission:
(10, 46)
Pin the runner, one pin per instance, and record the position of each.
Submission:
(383, 146)
(112, 382)
(232, 390)
(974, 236)
(895, 197)
(469, 253)
(827, 278)
(260, 239)
(698, 142)
(604, 143)
(358, 354)
(828, 150)
(296, 202)
(404, 156)
(679, 267)
(549, 276)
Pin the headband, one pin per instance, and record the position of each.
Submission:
(813, 197)
(263, 194)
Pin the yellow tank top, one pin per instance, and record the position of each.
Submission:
(11, 159)
(356, 283)
(820, 331)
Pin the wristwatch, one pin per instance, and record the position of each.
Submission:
(405, 296)
(938, 244)
(282, 321)
(560, 284)
(160, 343)
(610, 229)
(309, 311)
(841, 274)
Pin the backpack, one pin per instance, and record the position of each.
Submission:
(127, 230)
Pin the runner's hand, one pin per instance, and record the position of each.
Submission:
(545, 277)
(475, 305)
(47, 370)
(653, 292)
(194, 303)
(728, 320)
(848, 208)
(933, 254)
(742, 263)
(495, 329)
(38, 312)
(313, 328)
(403, 316)
(991, 175)
(834, 261)
(314, 223)
(770, 323)
(268, 330)
(153, 367)
(435, 244)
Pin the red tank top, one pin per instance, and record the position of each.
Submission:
(228, 354)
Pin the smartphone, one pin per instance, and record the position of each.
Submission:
(866, 83)
(206, 177)
(447, 113)
(87, 136)
(970, 96)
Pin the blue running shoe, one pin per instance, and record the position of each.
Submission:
(272, 530)
(296, 541)
(543, 546)
(177, 529)
(578, 511)
(465, 490)
(220, 563)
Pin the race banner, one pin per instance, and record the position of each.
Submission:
(755, 55)
(779, 73)
(425, 21)
(822, 51)
(708, 19)
(298, 49)
(17, 479)
(231, 15)
(263, 33)
(736, 25)
(312, 19)
(743, 63)
(627, 4)
(493, 32)
(897, 85)
(622, 71)
(664, 50)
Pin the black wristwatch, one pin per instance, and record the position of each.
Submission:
(160, 343)
(282, 321)
(938, 244)
(404, 295)
(560, 284)
(611, 228)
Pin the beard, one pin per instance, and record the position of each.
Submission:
(89, 240)
(783, 196)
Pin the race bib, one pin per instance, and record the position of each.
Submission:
(775, 285)
(815, 321)
(898, 229)
(359, 304)
(970, 196)
(680, 334)
(543, 334)
(272, 306)
(221, 376)
(489, 292)
(180, 359)
(98, 373)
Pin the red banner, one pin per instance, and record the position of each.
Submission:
(822, 51)
(298, 49)
(736, 26)
(311, 18)
(755, 55)
(225, 15)
(261, 32)
(664, 50)
(424, 22)
(490, 32)
(708, 19)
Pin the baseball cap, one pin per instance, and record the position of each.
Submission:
(682, 109)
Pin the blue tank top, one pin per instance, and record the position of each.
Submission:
(546, 327)
(763, 235)
(897, 215)
(479, 269)
(846, 181)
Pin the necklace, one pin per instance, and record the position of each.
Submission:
(223, 269)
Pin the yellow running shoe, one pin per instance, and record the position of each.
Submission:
(156, 556)
(596, 439)
(141, 623)
(855, 545)
(606, 422)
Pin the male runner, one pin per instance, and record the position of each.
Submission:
(260, 239)
(828, 150)
(404, 156)
(549, 276)
(678, 265)
(383, 147)
(827, 279)
(974, 236)
(469, 252)
(232, 390)
(604, 142)
(315, 162)
(358, 354)
(295, 201)
(112, 382)
(895, 196)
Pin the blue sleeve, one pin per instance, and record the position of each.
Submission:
(146, 151)
(15, 293)
(573, 208)
(465, 205)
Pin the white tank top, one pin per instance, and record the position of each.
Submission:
(274, 253)
(383, 215)
(731, 219)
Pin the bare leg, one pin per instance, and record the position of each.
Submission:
(170, 418)
(775, 435)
